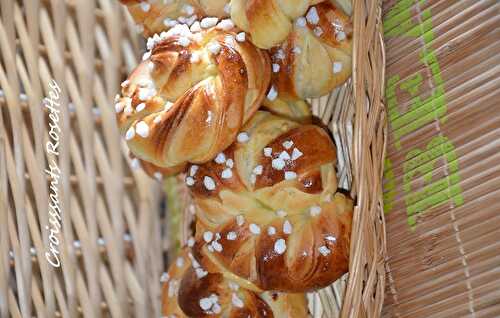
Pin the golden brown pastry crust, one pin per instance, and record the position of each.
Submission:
(317, 55)
(188, 287)
(155, 16)
(187, 101)
(268, 21)
(282, 223)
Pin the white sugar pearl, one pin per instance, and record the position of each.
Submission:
(217, 246)
(287, 144)
(170, 22)
(337, 67)
(341, 36)
(258, 170)
(278, 164)
(241, 37)
(205, 303)
(280, 246)
(164, 277)
(188, 9)
(231, 236)
(208, 236)
(142, 129)
(190, 242)
(268, 151)
(182, 19)
(214, 298)
(200, 273)
(191, 20)
(221, 158)
(240, 220)
(140, 107)
(325, 251)
(119, 107)
(318, 31)
(229, 163)
(146, 56)
(184, 41)
(208, 22)
(315, 210)
(236, 301)
(272, 94)
(290, 175)
(287, 227)
(195, 27)
(284, 155)
(276, 68)
(229, 39)
(189, 181)
(297, 50)
(158, 176)
(209, 183)
(271, 230)
(135, 164)
(254, 229)
(193, 170)
(301, 22)
(243, 137)
(312, 16)
(146, 93)
(130, 133)
(227, 173)
(126, 82)
(280, 54)
(225, 25)
(214, 47)
(331, 238)
(157, 119)
(281, 213)
(145, 6)
(296, 154)
(216, 308)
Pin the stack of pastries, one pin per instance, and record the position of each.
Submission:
(220, 97)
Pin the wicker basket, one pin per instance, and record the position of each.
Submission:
(113, 237)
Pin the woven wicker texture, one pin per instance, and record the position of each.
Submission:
(112, 239)
(442, 180)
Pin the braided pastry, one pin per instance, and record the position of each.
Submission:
(155, 16)
(268, 21)
(272, 200)
(190, 291)
(190, 96)
(316, 57)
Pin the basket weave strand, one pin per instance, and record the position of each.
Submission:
(114, 233)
